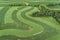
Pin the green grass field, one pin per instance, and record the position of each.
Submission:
(16, 22)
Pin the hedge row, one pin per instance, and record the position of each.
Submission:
(45, 11)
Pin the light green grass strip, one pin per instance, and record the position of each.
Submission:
(8, 15)
(17, 32)
(36, 29)
(22, 33)
(47, 20)
(1, 8)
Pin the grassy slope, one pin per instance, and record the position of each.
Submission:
(40, 19)
(8, 15)
(34, 26)
(26, 21)
(19, 32)
(47, 20)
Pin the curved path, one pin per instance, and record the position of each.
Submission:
(2, 13)
(34, 29)
(47, 27)
(23, 19)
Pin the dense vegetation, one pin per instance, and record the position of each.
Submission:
(46, 11)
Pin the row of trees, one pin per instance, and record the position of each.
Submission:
(53, 4)
(24, 4)
(17, 4)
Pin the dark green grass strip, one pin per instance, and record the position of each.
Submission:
(19, 24)
(9, 37)
(15, 25)
(35, 28)
(2, 13)
(49, 31)
(14, 14)
(12, 37)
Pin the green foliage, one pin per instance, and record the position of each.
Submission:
(45, 11)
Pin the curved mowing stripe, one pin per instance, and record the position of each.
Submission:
(2, 14)
(19, 24)
(8, 25)
(8, 15)
(47, 27)
(49, 21)
(14, 15)
(36, 29)
(21, 33)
